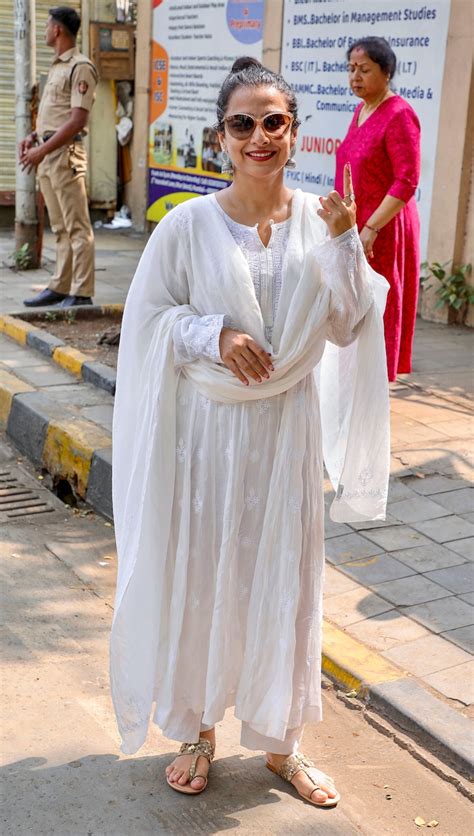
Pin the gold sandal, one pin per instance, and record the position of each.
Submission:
(299, 763)
(203, 749)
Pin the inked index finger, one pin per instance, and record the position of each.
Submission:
(348, 186)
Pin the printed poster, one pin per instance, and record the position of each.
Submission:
(194, 46)
(316, 35)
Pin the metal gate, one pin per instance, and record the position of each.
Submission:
(44, 56)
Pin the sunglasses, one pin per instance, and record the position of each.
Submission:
(241, 125)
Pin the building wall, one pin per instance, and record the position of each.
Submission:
(136, 189)
(451, 234)
(102, 142)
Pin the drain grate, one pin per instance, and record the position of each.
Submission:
(18, 500)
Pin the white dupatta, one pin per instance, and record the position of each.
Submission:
(193, 265)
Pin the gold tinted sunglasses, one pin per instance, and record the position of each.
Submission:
(242, 125)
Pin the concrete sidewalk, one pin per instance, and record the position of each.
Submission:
(399, 594)
(116, 256)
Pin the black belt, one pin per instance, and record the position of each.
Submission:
(49, 134)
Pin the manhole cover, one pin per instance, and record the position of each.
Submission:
(17, 499)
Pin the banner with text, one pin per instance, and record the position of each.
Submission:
(316, 35)
(194, 46)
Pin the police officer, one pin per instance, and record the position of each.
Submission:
(57, 150)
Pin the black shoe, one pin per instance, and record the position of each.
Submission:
(72, 301)
(46, 297)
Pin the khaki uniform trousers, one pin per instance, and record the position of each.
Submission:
(62, 181)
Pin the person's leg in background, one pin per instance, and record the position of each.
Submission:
(72, 198)
(60, 284)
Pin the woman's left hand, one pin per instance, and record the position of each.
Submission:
(339, 213)
(367, 237)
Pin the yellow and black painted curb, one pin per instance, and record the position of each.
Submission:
(56, 439)
(362, 672)
(70, 359)
(362, 666)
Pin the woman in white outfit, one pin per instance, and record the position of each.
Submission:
(252, 339)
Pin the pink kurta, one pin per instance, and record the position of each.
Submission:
(384, 153)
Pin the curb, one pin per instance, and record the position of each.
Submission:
(76, 449)
(399, 697)
(70, 359)
(54, 438)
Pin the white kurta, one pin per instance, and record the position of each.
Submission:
(220, 529)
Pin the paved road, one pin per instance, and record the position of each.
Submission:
(61, 766)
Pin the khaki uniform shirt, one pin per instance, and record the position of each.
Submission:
(71, 82)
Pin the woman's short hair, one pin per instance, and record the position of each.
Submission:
(378, 50)
(248, 72)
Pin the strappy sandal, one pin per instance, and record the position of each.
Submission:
(203, 749)
(299, 763)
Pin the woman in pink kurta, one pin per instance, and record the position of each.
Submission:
(383, 148)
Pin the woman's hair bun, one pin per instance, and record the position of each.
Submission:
(244, 63)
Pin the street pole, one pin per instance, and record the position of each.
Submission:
(26, 221)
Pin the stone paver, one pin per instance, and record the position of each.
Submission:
(398, 490)
(416, 509)
(426, 410)
(354, 606)
(407, 432)
(458, 502)
(100, 414)
(457, 683)
(387, 630)
(349, 547)
(445, 529)
(460, 428)
(455, 578)
(435, 484)
(469, 597)
(442, 615)
(427, 655)
(80, 394)
(335, 583)
(397, 537)
(463, 637)
(11, 350)
(428, 558)
(415, 589)
(13, 362)
(45, 375)
(333, 529)
(369, 525)
(376, 569)
(464, 547)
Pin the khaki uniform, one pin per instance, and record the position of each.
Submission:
(71, 83)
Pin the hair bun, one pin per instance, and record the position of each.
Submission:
(244, 63)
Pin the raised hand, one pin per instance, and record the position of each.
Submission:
(339, 213)
(244, 357)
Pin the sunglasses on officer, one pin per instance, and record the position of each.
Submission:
(242, 125)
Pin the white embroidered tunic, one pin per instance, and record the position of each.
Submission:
(218, 487)
(196, 336)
